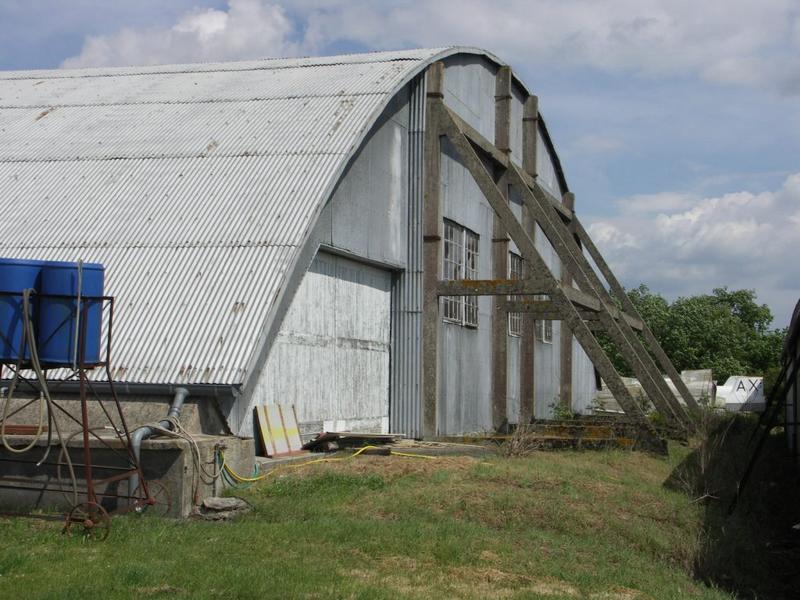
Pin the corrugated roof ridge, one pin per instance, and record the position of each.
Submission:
(206, 101)
(259, 64)
(222, 154)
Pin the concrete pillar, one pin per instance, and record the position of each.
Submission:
(502, 128)
(432, 252)
(566, 334)
(530, 132)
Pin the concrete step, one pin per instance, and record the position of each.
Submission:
(580, 428)
(556, 442)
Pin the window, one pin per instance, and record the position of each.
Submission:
(453, 267)
(544, 327)
(514, 272)
(544, 331)
(460, 262)
(470, 272)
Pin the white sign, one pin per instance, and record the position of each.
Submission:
(741, 393)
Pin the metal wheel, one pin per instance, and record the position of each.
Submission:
(89, 520)
(157, 501)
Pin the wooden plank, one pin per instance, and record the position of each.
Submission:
(277, 431)
(263, 428)
(292, 429)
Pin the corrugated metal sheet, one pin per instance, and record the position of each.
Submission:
(405, 414)
(266, 64)
(195, 185)
(332, 362)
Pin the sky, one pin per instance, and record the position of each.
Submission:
(677, 122)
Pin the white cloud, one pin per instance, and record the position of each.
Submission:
(724, 41)
(247, 29)
(683, 244)
(657, 203)
(727, 41)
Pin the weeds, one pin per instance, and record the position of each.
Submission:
(752, 552)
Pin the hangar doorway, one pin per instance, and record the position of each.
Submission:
(331, 356)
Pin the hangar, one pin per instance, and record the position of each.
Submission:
(386, 241)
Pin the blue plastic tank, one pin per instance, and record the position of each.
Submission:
(16, 275)
(57, 323)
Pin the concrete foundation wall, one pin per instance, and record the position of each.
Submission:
(198, 415)
(166, 462)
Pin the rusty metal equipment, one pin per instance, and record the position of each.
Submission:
(96, 498)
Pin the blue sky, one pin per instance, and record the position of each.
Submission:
(678, 123)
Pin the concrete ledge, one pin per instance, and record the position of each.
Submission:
(166, 460)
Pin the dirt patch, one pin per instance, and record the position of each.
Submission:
(619, 593)
(158, 590)
(394, 467)
(408, 576)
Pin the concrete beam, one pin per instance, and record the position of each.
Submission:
(619, 294)
(618, 329)
(500, 245)
(502, 160)
(527, 387)
(432, 251)
(538, 270)
(565, 349)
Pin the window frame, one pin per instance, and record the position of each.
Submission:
(460, 261)
(516, 270)
(543, 327)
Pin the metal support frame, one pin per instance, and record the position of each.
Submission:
(90, 515)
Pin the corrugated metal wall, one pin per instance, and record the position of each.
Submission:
(406, 356)
(376, 214)
(466, 352)
(331, 357)
(547, 356)
(584, 384)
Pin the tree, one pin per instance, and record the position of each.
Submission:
(725, 331)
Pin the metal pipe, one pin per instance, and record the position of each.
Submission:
(205, 390)
(145, 432)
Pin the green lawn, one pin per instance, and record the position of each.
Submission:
(595, 525)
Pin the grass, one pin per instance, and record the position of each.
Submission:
(595, 525)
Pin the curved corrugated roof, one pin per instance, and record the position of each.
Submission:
(196, 186)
